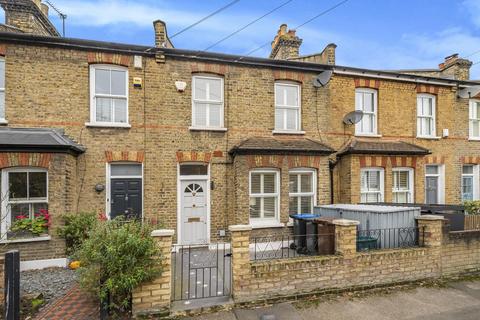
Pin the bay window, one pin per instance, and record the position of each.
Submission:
(302, 191)
(470, 182)
(24, 194)
(402, 185)
(108, 96)
(264, 195)
(372, 185)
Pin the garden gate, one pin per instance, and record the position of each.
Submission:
(200, 272)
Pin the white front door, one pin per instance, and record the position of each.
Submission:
(194, 212)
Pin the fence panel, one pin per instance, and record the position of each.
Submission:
(472, 222)
(390, 238)
(291, 246)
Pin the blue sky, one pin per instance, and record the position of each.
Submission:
(377, 34)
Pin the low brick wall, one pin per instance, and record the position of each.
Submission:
(293, 276)
(448, 254)
(461, 252)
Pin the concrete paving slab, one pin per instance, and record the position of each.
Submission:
(224, 315)
(282, 311)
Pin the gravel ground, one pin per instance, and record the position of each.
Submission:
(51, 282)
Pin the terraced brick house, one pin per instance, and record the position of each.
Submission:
(199, 141)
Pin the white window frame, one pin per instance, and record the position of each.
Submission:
(93, 108)
(313, 193)
(411, 185)
(5, 213)
(284, 109)
(441, 182)
(382, 182)
(473, 117)
(358, 126)
(265, 222)
(475, 175)
(433, 117)
(3, 117)
(221, 103)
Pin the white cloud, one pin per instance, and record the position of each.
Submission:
(473, 7)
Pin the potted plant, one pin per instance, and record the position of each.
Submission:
(26, 227)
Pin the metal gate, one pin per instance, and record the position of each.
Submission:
(201, 271)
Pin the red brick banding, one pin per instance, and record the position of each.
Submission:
(366, 83)
(288, 75)
(108, 58)
(195, 156)
(134, 156)
(25, 159)
(425, 88)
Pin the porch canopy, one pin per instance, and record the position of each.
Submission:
(383, 147)
(270, 145)
(38, 140)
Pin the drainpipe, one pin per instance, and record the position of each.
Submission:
(331, 166)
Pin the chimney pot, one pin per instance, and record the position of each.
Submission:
(286, 44)
(44, 9)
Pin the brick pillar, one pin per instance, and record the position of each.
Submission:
(240, 235)
(154, 297)
(346, 237)
(431, 230)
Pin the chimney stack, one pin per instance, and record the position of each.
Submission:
(28, 16)
(286, 44)
(161, 36)
(455, 67)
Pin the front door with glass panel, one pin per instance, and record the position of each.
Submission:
(431, 190)
(194, 212)
(126, 191)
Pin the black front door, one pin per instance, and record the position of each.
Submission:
(126, 198)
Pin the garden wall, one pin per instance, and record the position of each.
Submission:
(448, 254)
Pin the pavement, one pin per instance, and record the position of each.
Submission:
(459, 301)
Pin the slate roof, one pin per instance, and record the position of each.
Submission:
(38, 140)
(30, 7)
(262, 145)
(386, 147)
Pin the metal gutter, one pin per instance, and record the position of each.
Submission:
(401, 77)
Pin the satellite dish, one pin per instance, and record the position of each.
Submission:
(469, 92)
(353, 117)
(322, 79)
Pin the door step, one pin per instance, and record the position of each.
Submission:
(195, 306)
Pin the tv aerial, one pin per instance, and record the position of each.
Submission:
(353, 117)
(322, 79)
(62, 15)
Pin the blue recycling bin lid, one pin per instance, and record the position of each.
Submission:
(305, 216)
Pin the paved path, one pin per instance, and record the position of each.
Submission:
(459, 301)
(75, 304)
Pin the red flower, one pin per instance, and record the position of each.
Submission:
(102, 217)
(43, 211)
(21, 217)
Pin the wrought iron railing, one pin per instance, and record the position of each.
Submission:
(389, 238)
(291, 246)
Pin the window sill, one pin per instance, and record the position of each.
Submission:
(35, 239)
(3, 122)
(107, 125)
(429, 138)
(473, 139)
(288, 132)
(207, 129)
(368, 135)
(267, 224)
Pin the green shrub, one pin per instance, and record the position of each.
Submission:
(117, 257)
(472, 207)
(76, 229)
